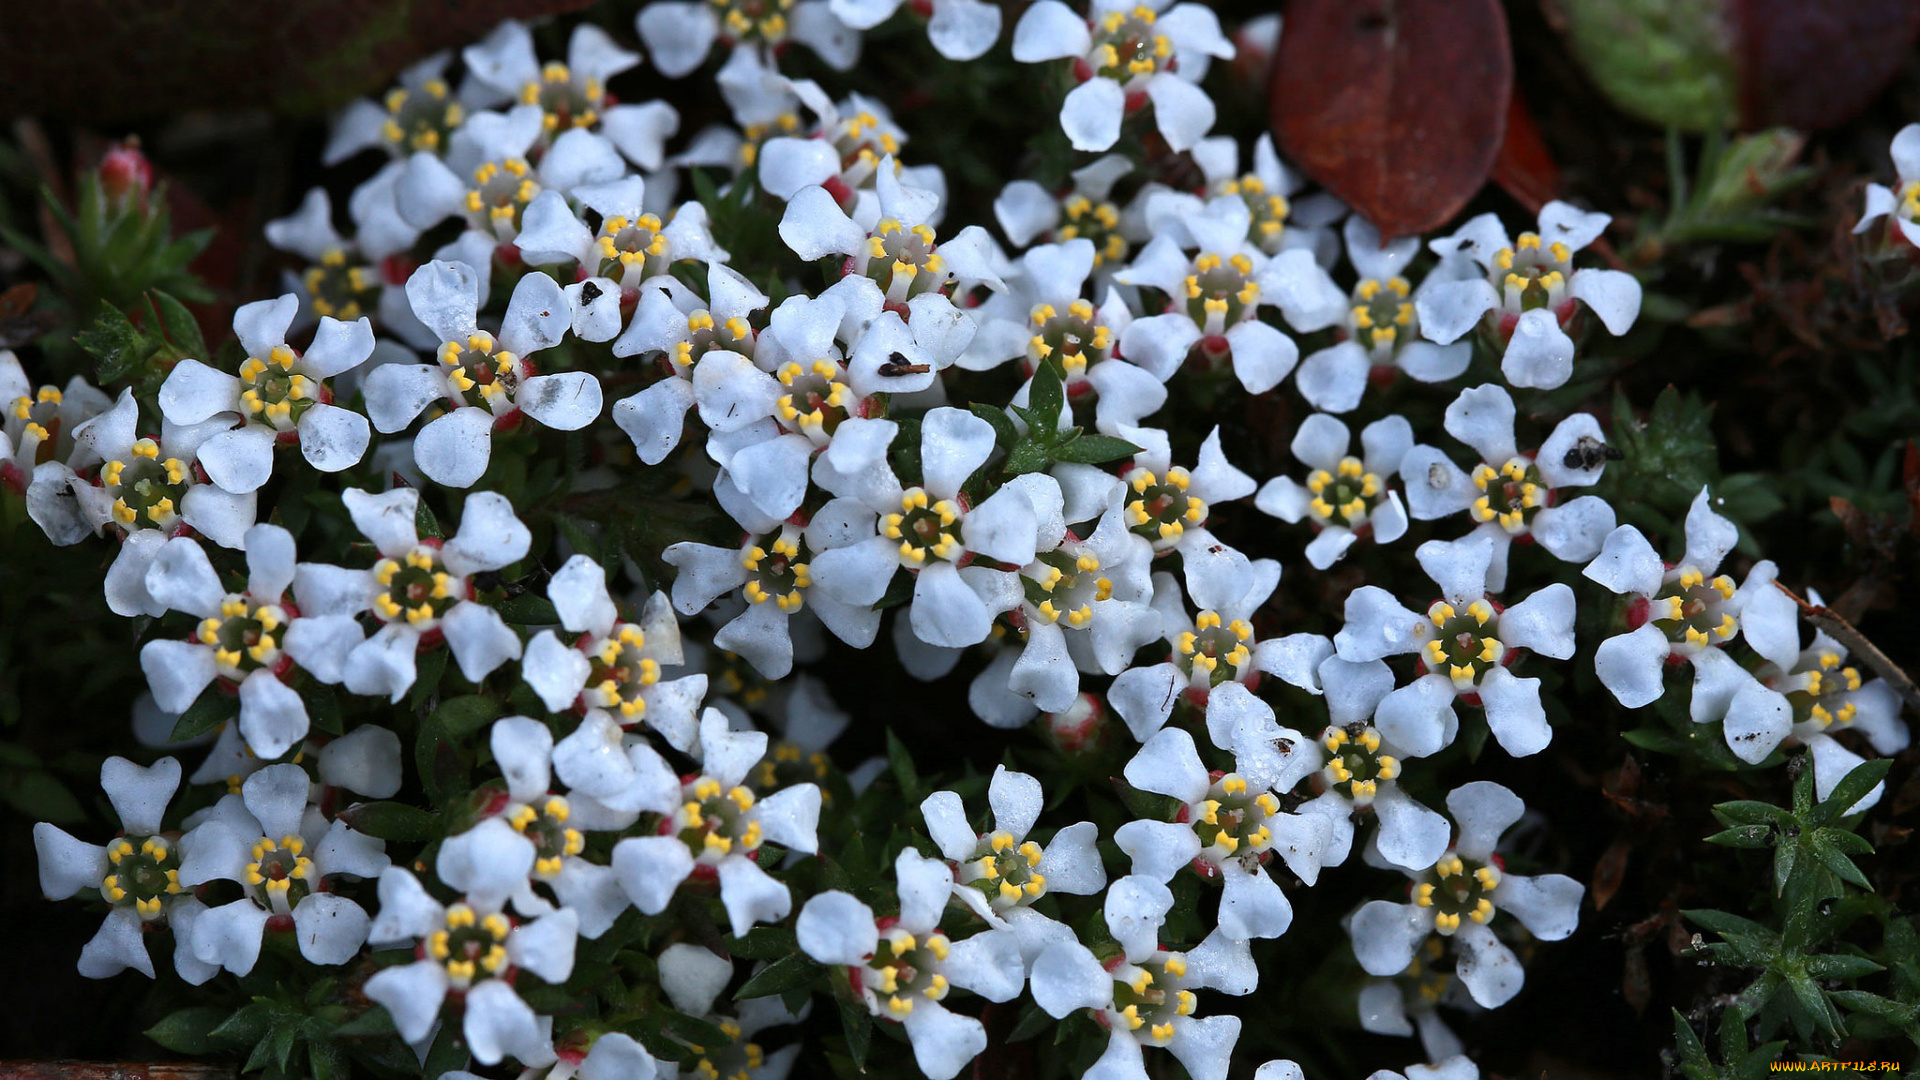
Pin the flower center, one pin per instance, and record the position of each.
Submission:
(925, 531)
(275, 394)
(568, 102)
(34, 418)
(1125, 45)
(632, 249)
(546, 826)
(1220, 292)
(754, 20)
(1269, 210)
(787, 764)
(618, 673)
(903, 260)
(245, 636)
(481, 373)
(1457, 888)
(421, 119)
(1818, 698)
(501, 191)
(1215, 651)
(1513, 494)
(339, 290)
(753, 136)
(1355, 766)
(1071, 340)
(1689, 609)
(779, 576)
(1463, 649)
(1062, 585)
(147, 489)
(1147, 998)
(903, 968)
(1098, 222)
(470, 946)
(1007, 873)
(1530, 275)
(1161, 509)
(1346, 496)
(714, 822)
(817, 398)
(279, 875)
(416, 588)
(703, 337)
(1231, 822)
(1381, 312)
(734, 1061)
(143, 877)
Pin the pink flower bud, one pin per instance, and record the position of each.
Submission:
(126, 175)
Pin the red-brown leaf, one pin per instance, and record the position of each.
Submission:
(1609, 872)
(1815, 65)
(1396, 106)
(1525, 168)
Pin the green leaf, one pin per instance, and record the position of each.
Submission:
(1850, 790)
(1045, 398)
(1094, 450)
(1723, 923)
(190, 1031)
(901, 763)
(1693, 1054)
(323, 706)
(427, 670)
(1033, 1021)
(1784, 858)
(245, 1027)
(1840, 966)
(115, 343)
(424, 520)
(40, 795)
(462, 716)
(449, 1052)
(528, 609)
(857, 1021)
(788, 973)
(1004, 433)
(1747, 812)
(765, 943)
(1836, 860)
(392, 821)
(211, 709)
(181, 329)
(691, 1030)
(1027, 457)
(327, 1061)
(1743, 836)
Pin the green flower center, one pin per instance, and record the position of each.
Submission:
(143, 873)
(1457, 888)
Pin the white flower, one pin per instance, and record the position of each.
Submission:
(1229, 824)
(679, 33)
(1689, 612)
(774, 578)
(612, 664)
(1144, 995)
(487, 380)
(1345, 497)
(1000, 874)
(418, 114)
(260, 839)
(1364, 769)
(931, 531)
(630, 245)
(717, 830)
(1901, 207)
(1126, 55)
(958, 29)
(1169, 503)
(1026, 211)
(1459, 896)
(671, 322)
(1215, 296)
(1216, 646)
(841, 151)
(465, 949)
(903, 969)
(249, 640)
(573, 94)
(1465, 646)
(418, 587)
(1511, 494)
(1042, 319)
(350, 278)
(279, 396)
(486, 178)
(36, 424)
(1381, 327)
(1828, 696)
(1527, 296)
(693, 978)
(138, 874)
(145, 490)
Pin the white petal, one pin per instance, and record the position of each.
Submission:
(1182, 111)
(1385, 935)
(1169, 764)
(140, 795)
(499, 1024)
(194, 392)
(1757, 719)
(1540, 354)
(480, 639)
(1614, 295)
(945, 611)
(67, 865)
(395, 394)
(1251, 904)
(1514, 712)
(835, 928)
(490, 862)
(545, 946)
(329, 928)
(273, 719)
(1415, 716)
(1377, 626)
(1482, 417)
(239, 460)
(814, 226)
(1709, 536)
(1050, 30)
(1483, 810)
(1492, 973)
(1158, 848)
(1335, 378)
(1627, 564)
(565, 401)
(651, 869)
(229, 935)
(454, 449)
(412, 993)
(655, 417)
(1092, 112)
(1411, 836)
(1548, 905)
(1066, 978)
(943, 1042)
(177, 671)
(924, 886)
(988, 964)
(1451, 309)
(1262, 355)
(1574, 531)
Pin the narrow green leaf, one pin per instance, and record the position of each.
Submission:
(392, 821)
(1026, 457)
(1004, 433)
(1693, 1055)
(1836, 860)
(901, 762)
(189, 1031)
(857, 1021)
(1743, 836)
(1094, 450)
(1848, 791)
(211, 709)
(181, 329)
(1045, 398)
(765, 943)
(1840, 966)
(462, 716)
(788, 973)
(1747, 812)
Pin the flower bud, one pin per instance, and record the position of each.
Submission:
(1083, 728)
(126, 176)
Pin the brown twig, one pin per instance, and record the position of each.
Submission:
(1842, 631)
